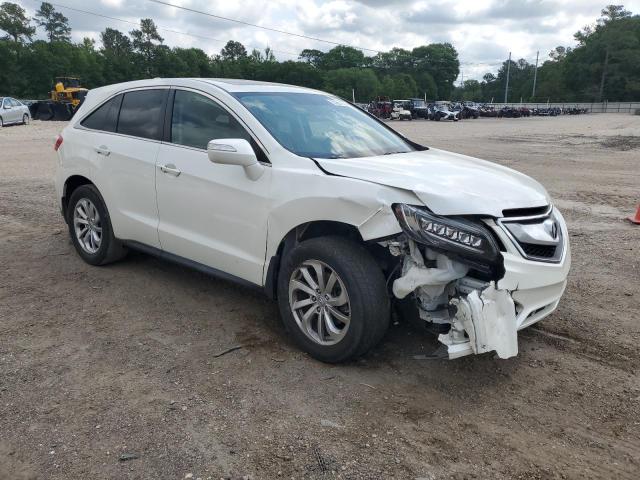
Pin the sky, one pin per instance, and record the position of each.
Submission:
(483, 31)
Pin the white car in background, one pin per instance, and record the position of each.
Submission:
(330, 211)
(13, 111)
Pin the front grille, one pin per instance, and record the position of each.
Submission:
(540, 251)
(525, 212)
(536, 237)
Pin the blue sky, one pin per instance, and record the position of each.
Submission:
(483, 31)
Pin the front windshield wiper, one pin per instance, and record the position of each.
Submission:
(394, 153)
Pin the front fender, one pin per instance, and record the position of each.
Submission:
(300, 197)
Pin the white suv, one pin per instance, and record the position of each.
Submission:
(327, 209)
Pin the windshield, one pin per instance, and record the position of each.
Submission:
(419, 104)
(319, 126)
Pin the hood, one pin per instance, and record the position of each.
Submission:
(447, 183)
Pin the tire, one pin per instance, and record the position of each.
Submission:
(367, 304)
(1, 122)
(25, 119)
(109, 249)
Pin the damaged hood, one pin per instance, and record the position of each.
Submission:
(447, 183)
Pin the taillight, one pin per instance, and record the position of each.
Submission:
(58, 143)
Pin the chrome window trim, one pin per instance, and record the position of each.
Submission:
(78, 123)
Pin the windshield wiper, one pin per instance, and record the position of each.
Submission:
(394, 153)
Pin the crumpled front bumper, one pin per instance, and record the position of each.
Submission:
(485, 316)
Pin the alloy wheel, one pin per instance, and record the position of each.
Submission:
(87, 226)
(319, 302)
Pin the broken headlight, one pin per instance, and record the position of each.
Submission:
(461, 236)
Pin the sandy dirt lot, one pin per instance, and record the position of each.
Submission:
(97, 363)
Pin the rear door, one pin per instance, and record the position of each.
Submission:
(126, 133)
(8, 111)
(210, 213)
(17, 109)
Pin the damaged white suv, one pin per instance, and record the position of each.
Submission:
(326, 208)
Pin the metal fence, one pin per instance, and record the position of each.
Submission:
(594, 107)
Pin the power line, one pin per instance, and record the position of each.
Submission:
(241, 22)
(194, 35)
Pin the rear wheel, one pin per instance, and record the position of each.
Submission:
(90, 227)
(333, 298)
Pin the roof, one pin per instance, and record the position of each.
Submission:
(241, 85)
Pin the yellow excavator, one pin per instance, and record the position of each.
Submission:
(64, 99)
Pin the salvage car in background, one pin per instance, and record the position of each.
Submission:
(401, 110)
(13, 111)
(333, 213)
(442, 111)
(418, 108)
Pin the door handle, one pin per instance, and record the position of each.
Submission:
(171, 169)
(102, 150)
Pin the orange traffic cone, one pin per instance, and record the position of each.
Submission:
(635, 219)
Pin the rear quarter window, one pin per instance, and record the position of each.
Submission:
(105, 117)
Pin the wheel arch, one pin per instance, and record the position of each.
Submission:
(70, 185)
(300, 233)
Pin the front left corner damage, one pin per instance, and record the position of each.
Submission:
(481, 317)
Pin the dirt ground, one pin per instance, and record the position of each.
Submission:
(97, 363)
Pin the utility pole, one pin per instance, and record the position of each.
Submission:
(506, 85)
(535, 76)
(353, 94)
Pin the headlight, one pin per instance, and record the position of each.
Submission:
(461, 236)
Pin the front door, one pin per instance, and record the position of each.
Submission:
(210, 213)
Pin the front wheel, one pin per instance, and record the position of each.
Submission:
(25, 119)
(333, 298)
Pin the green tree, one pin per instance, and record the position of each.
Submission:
(146, 43)
(342, 57)
(440, 60)
(344, 81)
(312, 56)
(54, 23)
(117, 56)
(14, 21)
(233, 51)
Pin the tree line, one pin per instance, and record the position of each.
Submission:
(29, 66)
(604, 64)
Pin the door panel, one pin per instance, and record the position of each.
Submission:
(212, 214)
(127, 169)
(127, 132)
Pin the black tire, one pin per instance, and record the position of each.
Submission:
(1, 122)
(366, 288)
(111, 249)
(25, 119)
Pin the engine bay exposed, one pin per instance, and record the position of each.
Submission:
(448, 292)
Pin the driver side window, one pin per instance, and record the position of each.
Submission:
(197, 119)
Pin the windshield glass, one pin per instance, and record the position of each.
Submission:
(419, 104)
(319, 126)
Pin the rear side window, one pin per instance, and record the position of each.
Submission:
(142, 114)
(105, 118)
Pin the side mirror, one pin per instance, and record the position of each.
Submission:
(235, 151)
